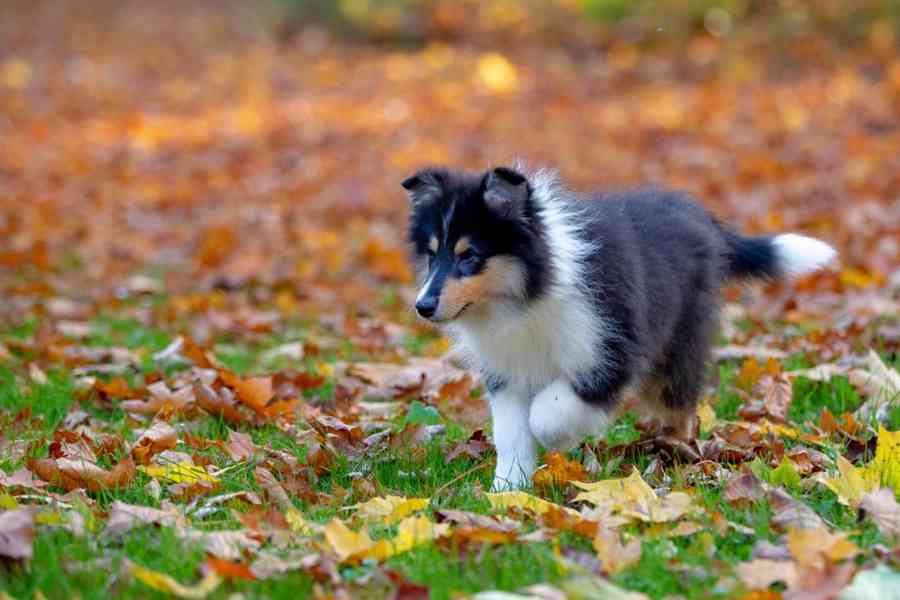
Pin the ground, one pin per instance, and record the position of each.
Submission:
(210, 372)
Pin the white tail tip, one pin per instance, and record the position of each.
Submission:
(799, 254)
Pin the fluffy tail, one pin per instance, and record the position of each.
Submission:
(784, 255)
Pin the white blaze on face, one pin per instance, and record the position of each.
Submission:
(423, 291)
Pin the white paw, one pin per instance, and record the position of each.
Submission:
(514, 480)
(559, 419)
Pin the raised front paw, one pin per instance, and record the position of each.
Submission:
(559, 419)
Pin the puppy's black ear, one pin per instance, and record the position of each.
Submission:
(424, 186)
(506, 192)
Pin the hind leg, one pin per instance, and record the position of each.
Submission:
(678, 381)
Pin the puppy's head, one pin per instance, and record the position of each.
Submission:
(478, 242)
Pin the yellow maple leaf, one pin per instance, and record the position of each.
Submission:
(817, 546)
(632, 497)
(504, 500)
(178, 473)
(390, 509)
(885, 467)
(850, 485)
(297, 522)
(345, 542)
(411, 532)
(165, 583)
(707, 417)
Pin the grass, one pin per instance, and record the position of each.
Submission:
(66, 565)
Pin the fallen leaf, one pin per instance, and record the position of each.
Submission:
(885, 467)
(816, 547)
(160, 436)
(882, 506)
(615, 556)
(164, 583)
(345, 542)
(850, 485)
(390, 509)
(632, 497)
(411, 532)
(74, 474)
(523, 500)
(17, 532)
(788, 513)
(230, 569)
(239, 446)
(760, 573)
(178, 473)
(559, 470)
(123, 517)
(21, 478)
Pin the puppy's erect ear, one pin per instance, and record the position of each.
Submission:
(506, 192)
(422, 187)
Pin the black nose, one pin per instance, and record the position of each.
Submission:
(427, 306)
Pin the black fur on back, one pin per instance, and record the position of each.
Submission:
(655, 279)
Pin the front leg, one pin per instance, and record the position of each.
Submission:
(561, 417)
(516, 446)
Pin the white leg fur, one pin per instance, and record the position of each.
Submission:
(516, 446)
(559, 419)
(799, 254)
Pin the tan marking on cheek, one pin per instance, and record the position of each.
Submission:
(460, 292)
(462, 245)
(502, 276)
(433, 244)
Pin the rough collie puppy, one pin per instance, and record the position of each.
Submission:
(563, 301)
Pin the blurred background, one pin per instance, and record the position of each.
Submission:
(226, 153)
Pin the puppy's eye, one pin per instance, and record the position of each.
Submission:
(468, 255)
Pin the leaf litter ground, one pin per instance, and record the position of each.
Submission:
(211, 384)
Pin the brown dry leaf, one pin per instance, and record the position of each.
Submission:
(559, 471)
(239, 446)
(614, 555)
(761, 573)
(789, 513)
(228, 545)
(160, 397)
(21, 478)
(17, 532)
(471, 527)
(776, 397)
(255, 392)
(123, 517)
(821, 584)
(228, 569)
(75, 474)
(222, 403)
(474, 447)
(745, 488)
(882, 506)
(160, 436)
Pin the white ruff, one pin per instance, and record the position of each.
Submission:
(799, 254)
(554, 337)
